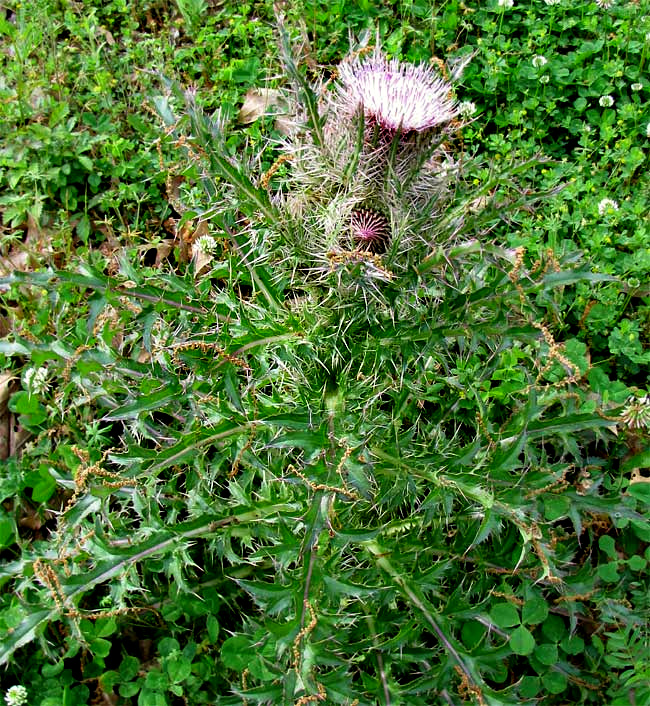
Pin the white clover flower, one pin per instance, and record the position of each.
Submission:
(206, 244)
(552, 2)
(647, 130)
(16, 696)
(636, 86)
(539, 60)
(604, 4)
(395, 95)
(35, 380)
(544, 79)
(606, 101)
(505, 3)
(607, 206)
(466, 108)
(636, 413)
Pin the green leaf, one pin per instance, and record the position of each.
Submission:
(42, 484)
(190, 444)
(609, 572)
(556, 506)
(104, 627)
(641, 529)
(569, 424)
(155, 679)
(640, 460)
(128, 689)
(307, 95)
(23, 402)
(144, 403)
(522, 641)
(212, 625)
(237, 652)
(167, 646)
(637, 563)
(178, 668)
(22, 634)
(50, 671)
(310, 441)
(529, 687)
(504, 615)
(554, 628)
(129, 668)
(100, 647)
(150, 697)
(573, 645)
(489, 524)
(337, 587)
(109, 680)
(273, 596)
(608, 545)
(547, 654)
(640, 491)
(564, 278)
(259, 669)
(555, 682)
(534, 611)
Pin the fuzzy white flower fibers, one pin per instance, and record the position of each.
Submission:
(467, 108)
(396, 95)
(206, 244)
(636, 413)
(16, 696)
(607, 205)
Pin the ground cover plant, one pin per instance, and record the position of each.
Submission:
(325, 358)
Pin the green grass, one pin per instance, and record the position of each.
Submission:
(247, 464)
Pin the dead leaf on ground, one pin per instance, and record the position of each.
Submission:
(12, 435)
(636, 477)
(163, 250)
(5, 416)
(24, 254)
(257, 102)
(200, 257)
(286, 125)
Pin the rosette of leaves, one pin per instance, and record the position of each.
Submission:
(383, 506)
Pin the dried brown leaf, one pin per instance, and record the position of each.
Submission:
(257, 102)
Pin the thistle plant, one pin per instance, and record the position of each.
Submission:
(375, 173)
(349, 463)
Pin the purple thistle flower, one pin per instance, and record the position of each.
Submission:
(396, 96)
(369, 229)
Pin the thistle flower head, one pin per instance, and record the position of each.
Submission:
(369, 230)
(395, 95)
